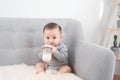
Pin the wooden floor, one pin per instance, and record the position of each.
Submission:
(116, 77)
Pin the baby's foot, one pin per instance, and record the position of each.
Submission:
(39, 72)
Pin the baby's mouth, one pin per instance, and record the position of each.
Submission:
(52, 44)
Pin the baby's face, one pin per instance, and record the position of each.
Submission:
(52, 37)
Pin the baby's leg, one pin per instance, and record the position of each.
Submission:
(64, 69)
(40, 67)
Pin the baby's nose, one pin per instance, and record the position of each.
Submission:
(51, 41)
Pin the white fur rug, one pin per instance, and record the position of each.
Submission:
(26, 72)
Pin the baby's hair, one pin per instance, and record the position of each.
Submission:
(51, 26)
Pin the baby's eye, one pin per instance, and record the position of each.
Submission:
(54, 37)
(47, 37)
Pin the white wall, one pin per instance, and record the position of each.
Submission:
(89, 12)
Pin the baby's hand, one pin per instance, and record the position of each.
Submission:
(41, 49)
(54, 50)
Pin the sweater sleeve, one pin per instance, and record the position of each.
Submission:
(61, 53)
(40, 56)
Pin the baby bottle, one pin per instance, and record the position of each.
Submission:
(47, 55)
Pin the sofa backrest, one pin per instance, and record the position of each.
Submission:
(21, 38)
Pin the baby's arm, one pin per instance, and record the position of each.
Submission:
(61, 53)
(40, 56)
(41, 53)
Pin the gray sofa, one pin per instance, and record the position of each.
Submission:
(21, 38)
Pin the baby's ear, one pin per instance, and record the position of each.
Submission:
(61, 37)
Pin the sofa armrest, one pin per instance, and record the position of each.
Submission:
(93, 62)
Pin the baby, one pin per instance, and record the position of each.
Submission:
(52, 34)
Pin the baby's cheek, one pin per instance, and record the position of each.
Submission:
(46, 42)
